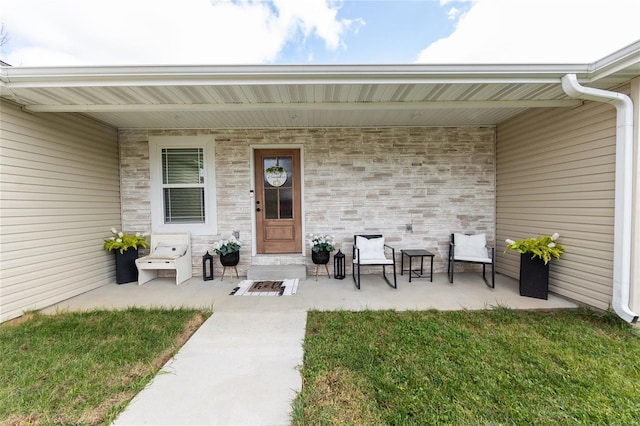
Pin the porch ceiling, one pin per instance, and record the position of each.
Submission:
(306, 95)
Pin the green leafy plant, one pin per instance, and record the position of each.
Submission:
(321, 242)
(230, 245)
(543, 247)
(122, 241)
(275, 169)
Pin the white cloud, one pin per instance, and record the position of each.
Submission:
(453, 13)
(538, 31)
(132, 32)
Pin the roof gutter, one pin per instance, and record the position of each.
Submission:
(623, 188)
(198, 75)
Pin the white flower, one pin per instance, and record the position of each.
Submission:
(119, 240)
(138, 234)
(112, 238)
(555, 236)
(120, 234)
(510, 242)
(114, 231)
(551, 245)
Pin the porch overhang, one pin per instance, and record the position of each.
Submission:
(278, 96)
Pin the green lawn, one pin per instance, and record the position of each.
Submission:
(469, 367)
(83, 368)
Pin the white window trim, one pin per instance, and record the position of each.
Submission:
(207, 143)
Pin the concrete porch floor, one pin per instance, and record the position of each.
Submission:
(467, 292)
(242, 366)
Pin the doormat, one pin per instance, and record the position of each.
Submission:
(266, 288)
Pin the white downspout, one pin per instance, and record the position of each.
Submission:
(623, 188)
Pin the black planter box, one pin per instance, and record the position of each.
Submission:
(126, 270)
(534, 277)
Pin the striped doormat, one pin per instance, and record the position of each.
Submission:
(266, 288)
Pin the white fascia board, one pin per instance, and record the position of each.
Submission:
(3, 75)
(623, 59)
(4, 90)
(302, 74)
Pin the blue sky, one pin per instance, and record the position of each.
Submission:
(211, 32)
(390, 32)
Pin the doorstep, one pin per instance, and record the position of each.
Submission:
(277, 272)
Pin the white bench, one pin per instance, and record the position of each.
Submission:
(168, 251)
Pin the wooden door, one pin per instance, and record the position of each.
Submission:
(277, 201)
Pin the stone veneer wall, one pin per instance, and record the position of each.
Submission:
(371, 180)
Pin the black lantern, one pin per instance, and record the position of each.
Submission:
(338, 266)
(207, 267)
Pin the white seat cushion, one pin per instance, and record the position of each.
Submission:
(370, 249)
(473, 259)
(471, 247)
(374, 261)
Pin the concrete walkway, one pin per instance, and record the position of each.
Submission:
(242, 366)
(237, 369)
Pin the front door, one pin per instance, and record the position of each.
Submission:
(277, 201)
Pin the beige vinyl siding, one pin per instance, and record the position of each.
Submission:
(59, 196)
(555, 173)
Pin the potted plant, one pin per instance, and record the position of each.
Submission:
(228, 250)
(535, 254)
(321, 247)
(125, 246)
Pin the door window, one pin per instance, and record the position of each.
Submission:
(278, 199)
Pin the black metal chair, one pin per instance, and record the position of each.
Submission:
(369, 250)
(472, 249)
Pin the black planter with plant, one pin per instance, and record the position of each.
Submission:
(534, 277)
(126, 270)
(230, 259)
(535, 254)
(321, 247)
(320, 257)
(125, 246)
(228, 250)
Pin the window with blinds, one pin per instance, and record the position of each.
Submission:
(183, 185)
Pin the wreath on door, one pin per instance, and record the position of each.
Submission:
(276, 175)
